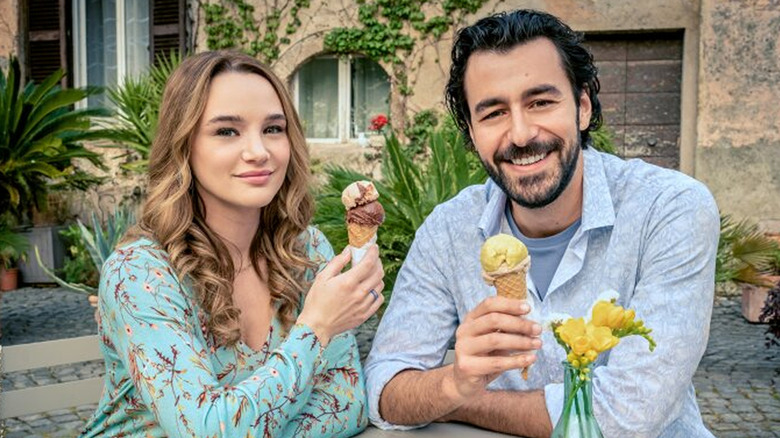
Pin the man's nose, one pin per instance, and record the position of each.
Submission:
(523, 129)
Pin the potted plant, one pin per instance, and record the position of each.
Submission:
(746, 256)
(13, 248)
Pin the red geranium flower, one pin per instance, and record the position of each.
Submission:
(378, 122)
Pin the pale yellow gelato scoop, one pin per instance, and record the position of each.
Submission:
(502, 251)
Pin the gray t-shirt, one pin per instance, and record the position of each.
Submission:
(546, 252)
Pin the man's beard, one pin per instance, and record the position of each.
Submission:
(540, 190)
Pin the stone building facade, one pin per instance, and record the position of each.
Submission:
(688, 84)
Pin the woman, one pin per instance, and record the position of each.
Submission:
(213, 321)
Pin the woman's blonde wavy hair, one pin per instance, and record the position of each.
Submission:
(174, 215)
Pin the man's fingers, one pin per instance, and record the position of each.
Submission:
(497, 344)
(493, 322)
(501, 305)
(475, 366)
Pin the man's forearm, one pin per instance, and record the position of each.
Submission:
(416, 397)
(513, 412)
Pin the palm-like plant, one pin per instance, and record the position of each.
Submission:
(137, 100)
(408, 191)
(13, 247)
(745, 254)
(40, 137)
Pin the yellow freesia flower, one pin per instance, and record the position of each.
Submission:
(601, 338)
(608, 314)
(571, 329)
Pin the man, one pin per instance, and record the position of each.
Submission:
(524, 92)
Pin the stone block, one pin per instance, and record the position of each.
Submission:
(613, 108)
(606, 49)
(652, 109)
(653, 76)
(668, 47)
(612, 76)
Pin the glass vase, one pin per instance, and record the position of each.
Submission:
(577, 418)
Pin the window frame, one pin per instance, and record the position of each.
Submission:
(79, 32)
(344, 99)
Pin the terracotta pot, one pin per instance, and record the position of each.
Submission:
(9, 279)
(753, 299)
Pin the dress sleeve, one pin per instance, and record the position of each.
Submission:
(149, 319)
(336, 406)
(639, 393)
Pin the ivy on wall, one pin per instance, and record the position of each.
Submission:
(389, 30)
(232, 24)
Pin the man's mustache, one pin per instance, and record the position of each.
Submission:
(515, 152)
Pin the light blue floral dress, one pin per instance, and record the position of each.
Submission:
(166, 375)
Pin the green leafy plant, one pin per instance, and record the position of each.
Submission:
(41, 139)
(408, 191)
(99, 242)
(418, 131)
(603, 140)
(78, 266)
(137, 101)
(745, 254)
(13, 247)
(771, 314)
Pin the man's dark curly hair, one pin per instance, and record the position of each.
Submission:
(504, 31)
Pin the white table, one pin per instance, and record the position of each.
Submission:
(435, 430)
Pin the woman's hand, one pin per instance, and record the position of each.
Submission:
(337, 301)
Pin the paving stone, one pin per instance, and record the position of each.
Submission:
(737, 382)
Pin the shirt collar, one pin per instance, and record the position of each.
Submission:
(597, 206)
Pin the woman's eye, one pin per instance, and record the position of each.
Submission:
(274, 129)
(226, 132)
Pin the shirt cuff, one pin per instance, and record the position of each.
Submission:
(553, 399)
(307, 348)
(380, 375)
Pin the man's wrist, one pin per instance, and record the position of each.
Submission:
(449, 388)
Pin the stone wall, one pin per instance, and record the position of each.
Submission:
(8, 30)
(739, 117)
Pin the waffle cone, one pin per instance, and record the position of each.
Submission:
(359, 235)
(512, 285)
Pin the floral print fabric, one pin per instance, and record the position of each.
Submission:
(166, 376)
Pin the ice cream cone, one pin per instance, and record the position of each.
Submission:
(512, 285)
(359, 234)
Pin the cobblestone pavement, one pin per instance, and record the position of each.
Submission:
(738, 380)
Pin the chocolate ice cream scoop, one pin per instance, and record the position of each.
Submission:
(371, 214)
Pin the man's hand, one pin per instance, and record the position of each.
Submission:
(495, 337)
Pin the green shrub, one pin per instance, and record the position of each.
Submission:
(408, 191)
(78, 266)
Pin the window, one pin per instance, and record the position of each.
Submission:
(98, 42)
(337, 97)
(111, 41)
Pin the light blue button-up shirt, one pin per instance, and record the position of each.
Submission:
(647, 232)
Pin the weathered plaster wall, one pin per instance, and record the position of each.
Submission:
(8, 30)
(739, 116)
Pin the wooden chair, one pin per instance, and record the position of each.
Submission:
(44, 398)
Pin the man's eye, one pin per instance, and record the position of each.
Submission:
(493, 114)
(226, 132)
(540, 103)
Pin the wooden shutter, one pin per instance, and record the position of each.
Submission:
(46, 22)
(168, 30)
